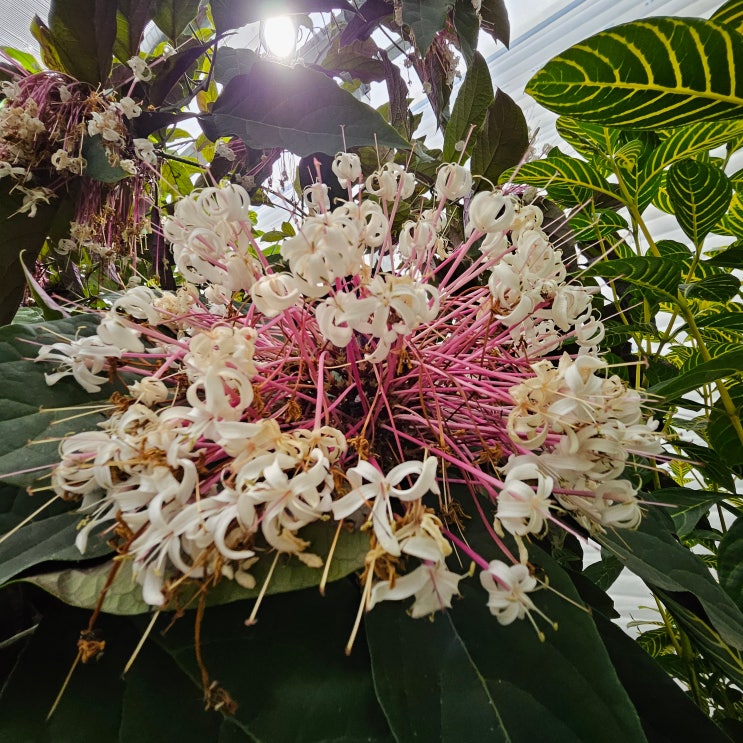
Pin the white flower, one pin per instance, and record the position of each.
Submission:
(128, 166)
(129, 107)
(149, 391)
(347, 168)
(507, 586)
(274, 293)
(380, 488)
(106, 123)
(391, 180)
(222, 149)
(453, 181)
(145, 151)
(83, 359)
(522, 508)
(142, 73)
(433, 586)
(490, 212)
(317, 197)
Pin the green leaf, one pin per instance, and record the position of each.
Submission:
(358, 59)
(605, 572)
(652, 553)
(721, 432)
(83, 34)
(726, 364)
(98, 166)
(51, 539)
(464, 675)
(731, 14)
(296, 109)
(467, 25)
(731, 257)
(26, 60)
(132, 18)
(568, 180)
(597, 226)
(714, 470)
(90, 708)
(309, 690)
(720, 288)
(27, 403)
(732, 221)
(586, 138)
(730, 562)
(172, 16)
(712, 646)
(659, 276)
(494, 20)
(19, 233)
(666, 712)
(684, 142)
(470, 108)
(502, 141)
(425, 18)
(687, 506)
(229, 62)
(648, 74)
(700, 194)
(81, 587)
(428, 685)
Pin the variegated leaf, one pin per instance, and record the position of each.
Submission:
(648, 74)
(700, 194)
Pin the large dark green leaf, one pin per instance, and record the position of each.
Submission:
(229, 62)
(288, 673)
(652, 553)
(730, 562)
(172, 16)
(648, 74)
(666, 713)
(465, 677)
(27, 403)
(51, 539)
(425, 18)
(502, 141)
(155, 702)
(83, 34)
(296, 109)
(20, 234)
(686, 506)
(132, 18)
(715, 651)
(700, 195)
(494, 17)
(81, 587)
(469, 109)
(568, 180)
(467, 26)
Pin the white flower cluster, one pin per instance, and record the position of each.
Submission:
(143, 468)
(206, 455)
(586, 424)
